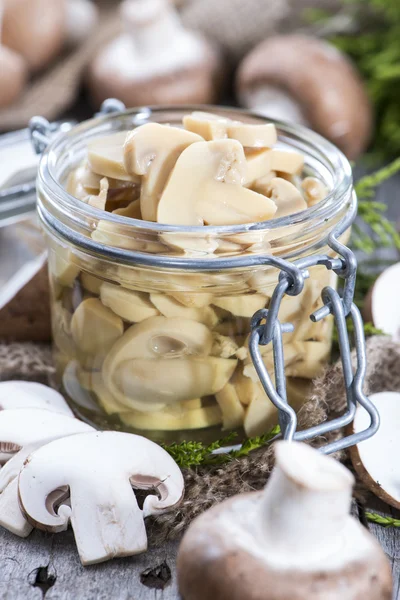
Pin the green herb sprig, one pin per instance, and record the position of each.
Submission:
(195, 454)
(382, 520)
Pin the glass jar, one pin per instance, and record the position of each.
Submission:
(151, 321)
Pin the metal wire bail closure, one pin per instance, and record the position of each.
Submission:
(266, 329)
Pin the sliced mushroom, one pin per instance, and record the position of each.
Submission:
(63, 267)
(208, 125)
(370, 458)
(253, 136)
(91, 283)
(314, 357)
(261, 415)
(262, 161)
(241, 306)
(155, 338)
(100, 200)
(193, 299)
(223, 346)
(95, 328)
(83, 182)
(106, 157)
(131, 306)
(150, 383)
(169, 307)
(132, 210)
(296, 539)
(286, 196)
(29, 394)
(314, 190)
(233, 413)
(21, 432)
(205, 187)
(100, 470)
(151, 151)
(197, 418)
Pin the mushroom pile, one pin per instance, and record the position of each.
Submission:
(296, 539)
(162, 351)
(32, 35)
(49, 480)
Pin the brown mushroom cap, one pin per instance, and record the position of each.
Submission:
(34, 28)
(13, 76)
(214, 564)
(320, 79)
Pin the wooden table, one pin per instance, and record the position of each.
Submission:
(47, 566)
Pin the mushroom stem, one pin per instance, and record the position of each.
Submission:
(306, 505)
(152, 24)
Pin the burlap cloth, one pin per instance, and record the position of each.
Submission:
(206, 486)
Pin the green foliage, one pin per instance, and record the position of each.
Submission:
(382, 520)
(380, 231)
(195, 454)
(374, 44)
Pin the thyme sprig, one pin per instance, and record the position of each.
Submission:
(382, 520)
(195, 454)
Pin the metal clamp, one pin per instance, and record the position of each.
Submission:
(266, 329)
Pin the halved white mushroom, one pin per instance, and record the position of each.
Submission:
(21, 432)
(129, 305)
(169, 307)
(371, 458)
(205, 187)
(29, 394)
(106, 157)
(100, 469)
(157, 338)
(286, 196)
(151, 151)
(95, 328)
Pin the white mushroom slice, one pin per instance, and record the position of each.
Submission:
(381, 304)
(154, 338)
(112, 234)
(313, 357)
(62, 266)
(100, 200)
(95, 328)
(197, 418)
(22, 431)
(28, 394)
(208, 125)
(294, 353)
(261, 415)
(100, 470)
(169, 307)
(253, 136)
(232, 410)
(241, 306)
(314, 190)
(261, 161)
(205, 187)
(91, 283)
(223, 346)
(82, 182)
(132, 210)
(262, 184)
(130, 306)
(371, 459)
(148, 383)
(193, 299)
(152, 150)
(286, 197)
(106, 157)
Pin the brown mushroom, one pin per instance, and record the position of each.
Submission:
(296, 539)
(302, 79)
(35, 29)
(156, 60)
(13, 76)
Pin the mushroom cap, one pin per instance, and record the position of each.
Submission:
(198, 84)
(213, 562)
(381, 305)
(13, 75)
(370, 457)
(29, 394)
(34, 29)
(321, 79)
